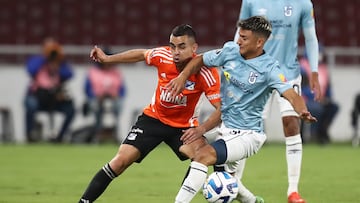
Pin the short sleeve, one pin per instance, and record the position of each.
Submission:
(218, 57)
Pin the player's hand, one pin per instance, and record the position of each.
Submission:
(176, 85)
(97, 54)
(192, 134)
(307, 117)
(315, 86)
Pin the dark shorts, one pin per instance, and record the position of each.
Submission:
(148, 132)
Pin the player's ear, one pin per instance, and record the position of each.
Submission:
(260, 42)
(195, 47)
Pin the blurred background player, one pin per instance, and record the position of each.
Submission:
(165, 119)
(49, 73)
(326, 109)
(288, 18)
(355, 121)
(105, 93)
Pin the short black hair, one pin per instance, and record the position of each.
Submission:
(257, 24)
(184, 29)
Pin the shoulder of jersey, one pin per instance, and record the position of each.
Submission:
(208, 75)
(163, 52)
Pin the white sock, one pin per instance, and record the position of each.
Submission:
(244, 195)
(193, 182)
(240, 168)
(293, 158)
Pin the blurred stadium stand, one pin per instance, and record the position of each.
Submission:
(82, 23)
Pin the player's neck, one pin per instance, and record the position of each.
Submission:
(250, 55)
(181, 65)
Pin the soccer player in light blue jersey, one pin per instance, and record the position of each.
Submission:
(288, 19)
(248, 77)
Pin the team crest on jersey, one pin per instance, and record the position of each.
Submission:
(252, 77)
(288, 11)
(189, 85)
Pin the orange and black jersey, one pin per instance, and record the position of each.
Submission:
(183, 110)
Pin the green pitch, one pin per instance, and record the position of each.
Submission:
(59, 173)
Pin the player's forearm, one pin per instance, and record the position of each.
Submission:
(295, 100)
(130, 56)
(314, 77)
(192, 67)
(299, 105)
(312, 48)
(213, 121)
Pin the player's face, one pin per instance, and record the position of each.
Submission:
(250, 44)
(182, 48)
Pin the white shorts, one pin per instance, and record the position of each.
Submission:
(240, 144)
(212, 135)
(286, 109)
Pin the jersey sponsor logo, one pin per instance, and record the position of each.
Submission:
(288, 11)
(280, 24)
(236, 82)
(282, 77)
(168, 101)
(189, 85)
(227, 76)
(252, 77)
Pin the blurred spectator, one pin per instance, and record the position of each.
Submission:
(325, 110)
(354, 120)
(105, 92)
(49, 72)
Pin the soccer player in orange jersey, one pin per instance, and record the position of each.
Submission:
(168, 119)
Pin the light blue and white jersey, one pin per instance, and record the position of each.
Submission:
(287, 18)
(245, 85)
